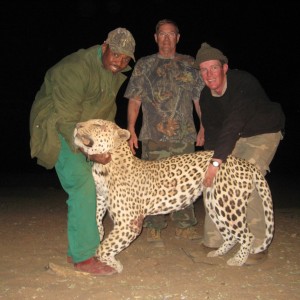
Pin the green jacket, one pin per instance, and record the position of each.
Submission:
(76, 89)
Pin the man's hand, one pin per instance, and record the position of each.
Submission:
(103, 158)
(200, 140)
(100, 158)
(133, 142)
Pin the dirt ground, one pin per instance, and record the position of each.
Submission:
(33, 257)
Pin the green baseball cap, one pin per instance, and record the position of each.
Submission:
(206, 52)
(121, 41)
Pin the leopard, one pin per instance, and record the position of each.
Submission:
(130, 188)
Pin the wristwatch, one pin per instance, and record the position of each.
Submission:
(215, 163)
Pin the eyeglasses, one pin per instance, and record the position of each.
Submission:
(171, 34)
(213, 69)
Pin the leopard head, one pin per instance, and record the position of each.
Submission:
(99, 136)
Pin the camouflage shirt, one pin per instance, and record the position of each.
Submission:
(167, 88)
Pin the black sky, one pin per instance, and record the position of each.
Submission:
(258, 37)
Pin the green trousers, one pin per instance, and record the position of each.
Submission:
(75, 175)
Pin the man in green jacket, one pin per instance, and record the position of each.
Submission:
(81, 86)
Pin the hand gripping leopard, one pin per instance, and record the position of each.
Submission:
(130, 189)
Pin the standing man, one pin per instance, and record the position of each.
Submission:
(165, 85)
(237, 118)
(82, 86)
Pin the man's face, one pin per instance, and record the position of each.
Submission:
(114, 62)
(213, 74)
(167, 38)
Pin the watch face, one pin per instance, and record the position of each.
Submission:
(215, 163)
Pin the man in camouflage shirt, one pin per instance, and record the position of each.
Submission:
(165, 84)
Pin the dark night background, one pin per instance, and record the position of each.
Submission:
(258, 37)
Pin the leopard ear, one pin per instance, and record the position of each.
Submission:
(123, 134)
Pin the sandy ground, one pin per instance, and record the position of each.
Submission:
(33, 257)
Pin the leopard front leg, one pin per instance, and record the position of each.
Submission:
(102, 198)
(100, 213)
(118, 239)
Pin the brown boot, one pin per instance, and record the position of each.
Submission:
(208, 249)
(70, 260)
(187, 233)
(255, 259)
(94, 267)
(154, 237)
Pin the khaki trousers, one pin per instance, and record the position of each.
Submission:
(259, 150)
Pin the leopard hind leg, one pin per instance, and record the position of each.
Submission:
(245, 240)
(229, 242)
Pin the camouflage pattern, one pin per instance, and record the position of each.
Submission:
(259, 150)
(167, 88)
(121, 41)
(156, 150)
(152, 150)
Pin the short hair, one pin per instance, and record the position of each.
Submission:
(166, 21)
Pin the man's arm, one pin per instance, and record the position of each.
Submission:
(212, 169)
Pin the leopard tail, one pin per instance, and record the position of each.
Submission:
(264, 192)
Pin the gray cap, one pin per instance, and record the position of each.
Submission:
(121, 41)
(206, 52)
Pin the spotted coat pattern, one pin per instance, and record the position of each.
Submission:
(130, 189)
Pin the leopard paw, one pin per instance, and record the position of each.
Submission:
(234, 262)
(212, 253)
